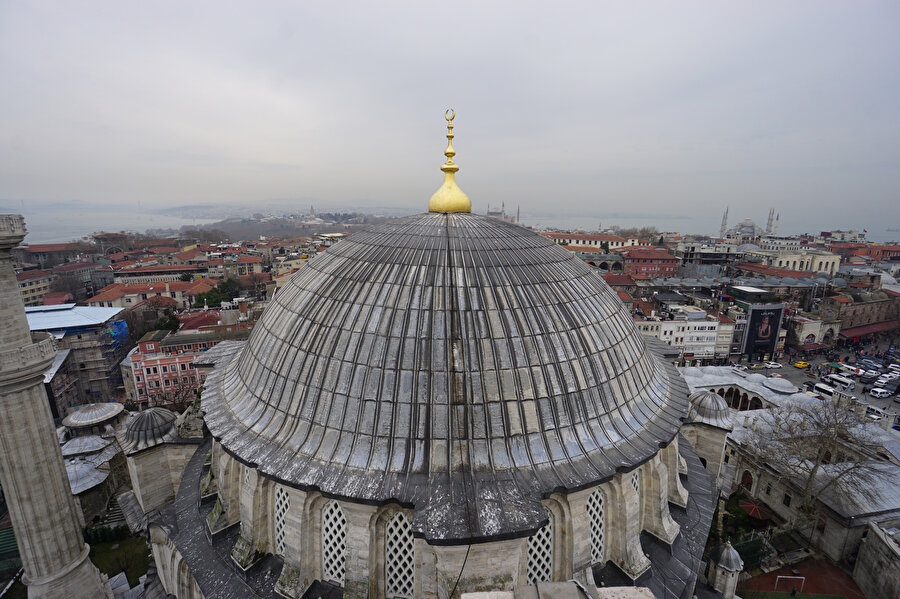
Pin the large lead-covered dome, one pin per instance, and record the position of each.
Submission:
(454, 363)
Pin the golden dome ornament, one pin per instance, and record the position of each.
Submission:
(449, 197)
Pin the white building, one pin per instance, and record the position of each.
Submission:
(692, 330)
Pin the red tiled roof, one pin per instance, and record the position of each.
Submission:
(770, 270)
(191, 321)
(641, 253)
(189, 254)
(36, 248)
(841, 299)
(614, 279)
(157, 268)
(117, 290)
(167, 249)
(582, 236)
(55, 298)
(868, 329)
(624, 295)
(27, 275)
(72, 266)
(244, 259)
(644, 306)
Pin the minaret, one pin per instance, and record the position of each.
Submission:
(44, 516)
(724, 226)
(777, 217)
(769, 222)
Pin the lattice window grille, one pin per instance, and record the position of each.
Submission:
(246, 475)
(282, 505)
(636, 483)
(399, 558)
(597, 517)
(334, 543)
(540, 554)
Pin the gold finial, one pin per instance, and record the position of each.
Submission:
(449, 197)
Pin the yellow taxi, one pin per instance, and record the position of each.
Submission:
(801, 364)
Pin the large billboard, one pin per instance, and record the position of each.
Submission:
(763, 324)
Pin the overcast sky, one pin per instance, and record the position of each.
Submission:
(635, 111)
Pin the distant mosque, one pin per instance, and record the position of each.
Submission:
(748, 231)
(502, 215)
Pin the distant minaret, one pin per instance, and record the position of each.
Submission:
(775, 231)
(44, 515)
(518, 209)
(769, 223)
(724, 224)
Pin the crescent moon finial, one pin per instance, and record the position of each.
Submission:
(450, 115)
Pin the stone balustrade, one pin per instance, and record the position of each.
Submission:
(43, 348)
(12, 224)
(12, 229)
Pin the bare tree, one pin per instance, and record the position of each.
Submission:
(176, 397)
(822, 447)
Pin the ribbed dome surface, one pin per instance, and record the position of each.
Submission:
(149, 428)
(707, 407)
(454, 363)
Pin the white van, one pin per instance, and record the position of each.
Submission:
(876, 412)
(823, 389)
(879, 393)
(840, 381)
(850, 370)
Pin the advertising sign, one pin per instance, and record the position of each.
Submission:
(763, 324)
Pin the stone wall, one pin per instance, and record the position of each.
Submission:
(831, 534)
(709, 444)
(501, 565)
(156, 473)
(877, 570)
(173, 573)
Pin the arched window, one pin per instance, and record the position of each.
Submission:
(334, 543)
(399, 558)
(540, 553)
(282, 505)
(597, 517)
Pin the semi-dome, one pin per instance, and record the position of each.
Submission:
(148, 429)
(709, 408)
(456, 364)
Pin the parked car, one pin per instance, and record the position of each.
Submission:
(773, 365)
(879, 393)
(757, 366)
(801, 364)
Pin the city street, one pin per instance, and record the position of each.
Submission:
(799, 376)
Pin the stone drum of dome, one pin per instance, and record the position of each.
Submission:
(452, 363)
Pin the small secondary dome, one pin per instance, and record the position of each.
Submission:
(93, 414)
(149, 428)
(727, 557)
(782, 385)
(709, 408)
